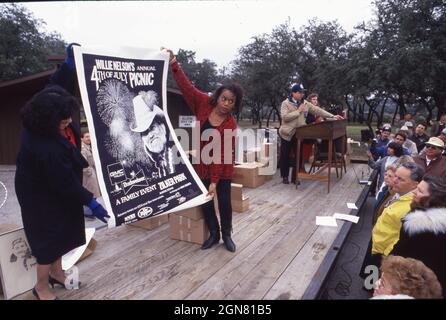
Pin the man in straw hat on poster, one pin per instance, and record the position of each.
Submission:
(151, 124)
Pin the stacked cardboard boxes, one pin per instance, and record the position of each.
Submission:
(188, 225)
(239, 202)
(151, 223)
(247, 174)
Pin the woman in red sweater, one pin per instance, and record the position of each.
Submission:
(214, 118)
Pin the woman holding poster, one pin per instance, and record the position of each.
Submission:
(48, 185)
(215, 120)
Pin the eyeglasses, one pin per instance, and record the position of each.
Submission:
(228, 100)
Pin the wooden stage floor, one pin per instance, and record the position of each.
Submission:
(279, 249)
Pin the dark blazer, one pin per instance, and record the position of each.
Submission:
(423, 237)
(48, 185)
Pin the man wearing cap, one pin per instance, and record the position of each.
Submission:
(432, 161)
(407, 118)
(409, 144)
(294, 111)
(151, 124)
(381, 141)
(419, 137)
(381, 152)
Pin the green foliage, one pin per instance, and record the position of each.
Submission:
(24, 49)
(397, 58)
(202, 74)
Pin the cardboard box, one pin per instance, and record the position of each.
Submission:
(240, 205)
(195, 213)
(248, 175)
(249, 156)
(186, 229)
(151, 223)
(236, 191)
(269, 178)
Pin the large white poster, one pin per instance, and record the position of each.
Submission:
(142, 169)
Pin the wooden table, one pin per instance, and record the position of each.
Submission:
(326, 130)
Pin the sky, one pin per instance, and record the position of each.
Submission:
(215, 30)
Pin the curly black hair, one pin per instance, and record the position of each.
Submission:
(46, 109)
(397, 148)
(236, 90)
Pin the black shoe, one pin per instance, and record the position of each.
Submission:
(214, 238)
(229, 244)
(52, 281)
(285, 180)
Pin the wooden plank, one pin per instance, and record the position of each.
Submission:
(313, 289)
(305, 267)
(222, 283)
(275, 238)
(283, 253)
(312, 177)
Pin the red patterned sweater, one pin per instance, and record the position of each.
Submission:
(200, 104)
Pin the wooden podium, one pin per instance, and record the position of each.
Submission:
(326, 130)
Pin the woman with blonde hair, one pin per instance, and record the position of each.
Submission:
(406, 278)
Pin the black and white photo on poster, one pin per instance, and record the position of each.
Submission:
(142, 169)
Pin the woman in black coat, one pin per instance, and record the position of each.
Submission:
(48, 184)
(423, 233)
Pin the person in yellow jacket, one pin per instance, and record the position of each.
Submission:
(386, 232)
(387, 229)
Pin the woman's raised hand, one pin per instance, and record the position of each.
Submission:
(172, 58)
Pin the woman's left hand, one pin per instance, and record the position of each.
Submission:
(212, 189)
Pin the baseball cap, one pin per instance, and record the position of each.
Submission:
(298, 87)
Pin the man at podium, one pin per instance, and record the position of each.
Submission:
(294, 112)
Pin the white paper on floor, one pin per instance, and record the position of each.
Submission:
(351, 205)
(327, 221)
(346, 217)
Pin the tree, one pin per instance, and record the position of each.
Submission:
(325, 57)
(24, 49)
(203, 74)
(266, 68)
(410, 41)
